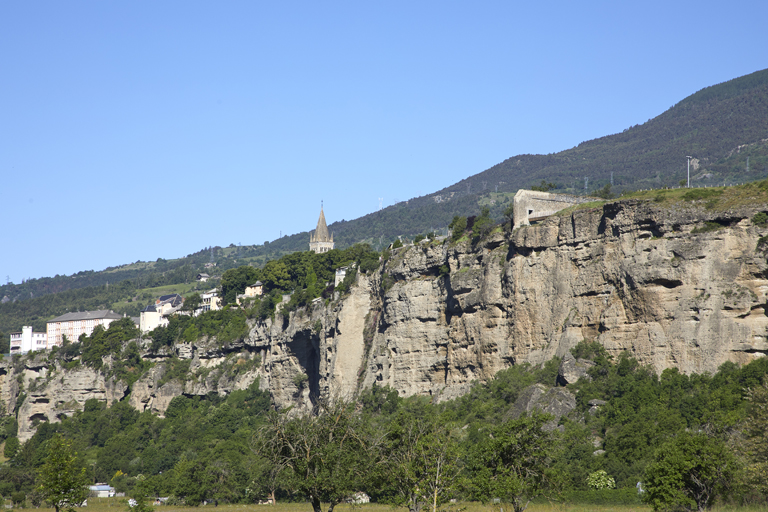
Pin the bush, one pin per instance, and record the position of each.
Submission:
(708, 227)
(18, 498)
(760, 219)
(697, 194)
(600, 480)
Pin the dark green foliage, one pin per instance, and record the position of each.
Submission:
(5, 344)
(760, 219)
(698, 194)
(61, 477)
(483, 225)
(589, 350)
(544, 187)
(457, 226)
(18, 498)
(691, 470)
(513, 462)
(708, 227)
(11, 447)
(325, 456)
(226, 325)
(605, 192)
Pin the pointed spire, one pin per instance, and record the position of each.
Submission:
(321, 232)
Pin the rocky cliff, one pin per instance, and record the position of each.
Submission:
(679, 286)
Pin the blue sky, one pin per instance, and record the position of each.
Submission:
(137, 130)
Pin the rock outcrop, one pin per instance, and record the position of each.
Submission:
(679, 287)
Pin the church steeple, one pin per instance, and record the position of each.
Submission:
(320, 241)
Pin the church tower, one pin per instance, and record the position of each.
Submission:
(320, 241)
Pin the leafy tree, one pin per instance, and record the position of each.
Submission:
(544, 187)
(326, 457)
(483, 223)
(422, 460)
(234, 281)
(192, 302)
(690, 470)
(62, 478)
(512, 463)
(457, 226)
(605, 192)
(11, 447)
(753, 444)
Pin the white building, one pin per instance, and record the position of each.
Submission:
(210, 302)
(157, 314)
(72, 325)
(27, 340)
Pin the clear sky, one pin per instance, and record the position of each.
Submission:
(137, 130)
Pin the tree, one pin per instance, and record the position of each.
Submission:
(422, 461)
(326, 456)
(192, 302)
(62, 478)
(753, 444)
(457, 226)
(691, 469)
(11, 447)
(483, 223)
(512, 463)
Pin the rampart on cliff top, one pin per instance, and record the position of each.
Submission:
(533, 205)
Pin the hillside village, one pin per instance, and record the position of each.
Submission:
(72, 326)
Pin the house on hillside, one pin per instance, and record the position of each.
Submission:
(28, 340)
(203, 277)
(72, 325)
(252, 290)
(157, 314)
(210, 302)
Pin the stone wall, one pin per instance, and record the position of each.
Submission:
(532, 205)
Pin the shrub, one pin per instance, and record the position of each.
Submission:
(600, 480)
(708, 227)
(760, 219)
(697, 194)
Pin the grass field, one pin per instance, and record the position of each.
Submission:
(119, 504)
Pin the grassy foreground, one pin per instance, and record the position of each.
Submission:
(119, 504)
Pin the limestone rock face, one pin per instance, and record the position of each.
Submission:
(572, 369)
(555, 401)
(630, 275)
(52, 393)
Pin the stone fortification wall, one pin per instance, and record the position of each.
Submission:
(532, 205)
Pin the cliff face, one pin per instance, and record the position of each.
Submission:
(630, 275)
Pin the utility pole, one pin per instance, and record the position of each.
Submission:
(689, 171)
